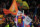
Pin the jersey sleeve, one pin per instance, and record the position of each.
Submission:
(17, 17)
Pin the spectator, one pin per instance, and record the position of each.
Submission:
(32, 25)
(4, 5)
(7, 25)
(39, 24)
(3, 25)
(36, 24)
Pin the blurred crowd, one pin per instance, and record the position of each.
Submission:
(33, 6)
(8, 21)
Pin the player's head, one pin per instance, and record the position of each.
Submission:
(20, 14)
(19, 17)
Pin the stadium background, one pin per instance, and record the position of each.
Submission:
(34, 8)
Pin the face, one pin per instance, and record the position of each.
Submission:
(32, 23)
(7, 23)
(36, 23)
(20, 14)
(19, 17)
